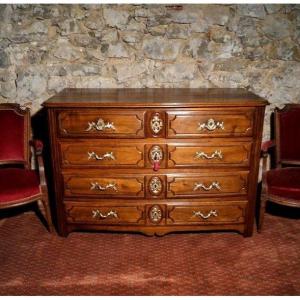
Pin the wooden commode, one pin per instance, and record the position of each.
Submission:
(155, 160)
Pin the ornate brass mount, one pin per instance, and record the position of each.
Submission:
(100, 125)
(107, 155)
(203, 216)
(156, 154)
(156, 124)
(155, 214)
(155, 185)
(109, 186)
(213, 185)
(216, 154)
(211, 125)
(97, 214)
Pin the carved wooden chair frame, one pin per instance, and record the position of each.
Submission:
(42, 198)
(279, 163)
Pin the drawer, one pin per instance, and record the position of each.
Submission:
(101, 154)
(218, 123)
(204, 154)
(101, 123)
(210, 213)
(209, 184)
(104, 186)
(107, 214)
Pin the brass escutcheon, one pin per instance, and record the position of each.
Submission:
(155, 214)
(156, 154)
(156, 124)
(155, 185)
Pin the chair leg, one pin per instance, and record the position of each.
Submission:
(262, 210)
(45, 209)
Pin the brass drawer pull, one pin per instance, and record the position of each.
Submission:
(107, 155)
(214, 185)
(100, 125)
(203, 216)
(211, 125)
(109, 186)
(216, 154)
(98, 214)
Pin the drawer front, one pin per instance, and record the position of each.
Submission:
(100, 123)
(108, 214)
(219, 154)
(102, 154)
(216, 184)
(212, 213)
(225, 123)
(104, 186)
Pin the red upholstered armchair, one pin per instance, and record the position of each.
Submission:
(19, 184)
(282, 184)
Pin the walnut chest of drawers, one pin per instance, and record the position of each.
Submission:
(155, 160)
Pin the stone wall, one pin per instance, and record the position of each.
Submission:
(45, 48)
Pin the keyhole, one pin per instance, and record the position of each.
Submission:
(156, 156)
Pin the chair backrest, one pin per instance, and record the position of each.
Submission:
(14, 134)
(287, 134)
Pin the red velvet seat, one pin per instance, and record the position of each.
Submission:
(282, 184)
(19, 184)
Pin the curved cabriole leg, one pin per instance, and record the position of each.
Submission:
(262, 210)
(48, 212)
(44, 207)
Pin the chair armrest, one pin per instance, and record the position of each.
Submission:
(38, 146)
(38, 150)
(266, 146)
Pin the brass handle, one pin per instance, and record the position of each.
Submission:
(214, 185)
(109, 186)
(97, 214)
(100, 125)
(203, 216)
(107, 155)
(156, 124)
(211, 125)
(216, 154)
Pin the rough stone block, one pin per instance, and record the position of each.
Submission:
(160, 48)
